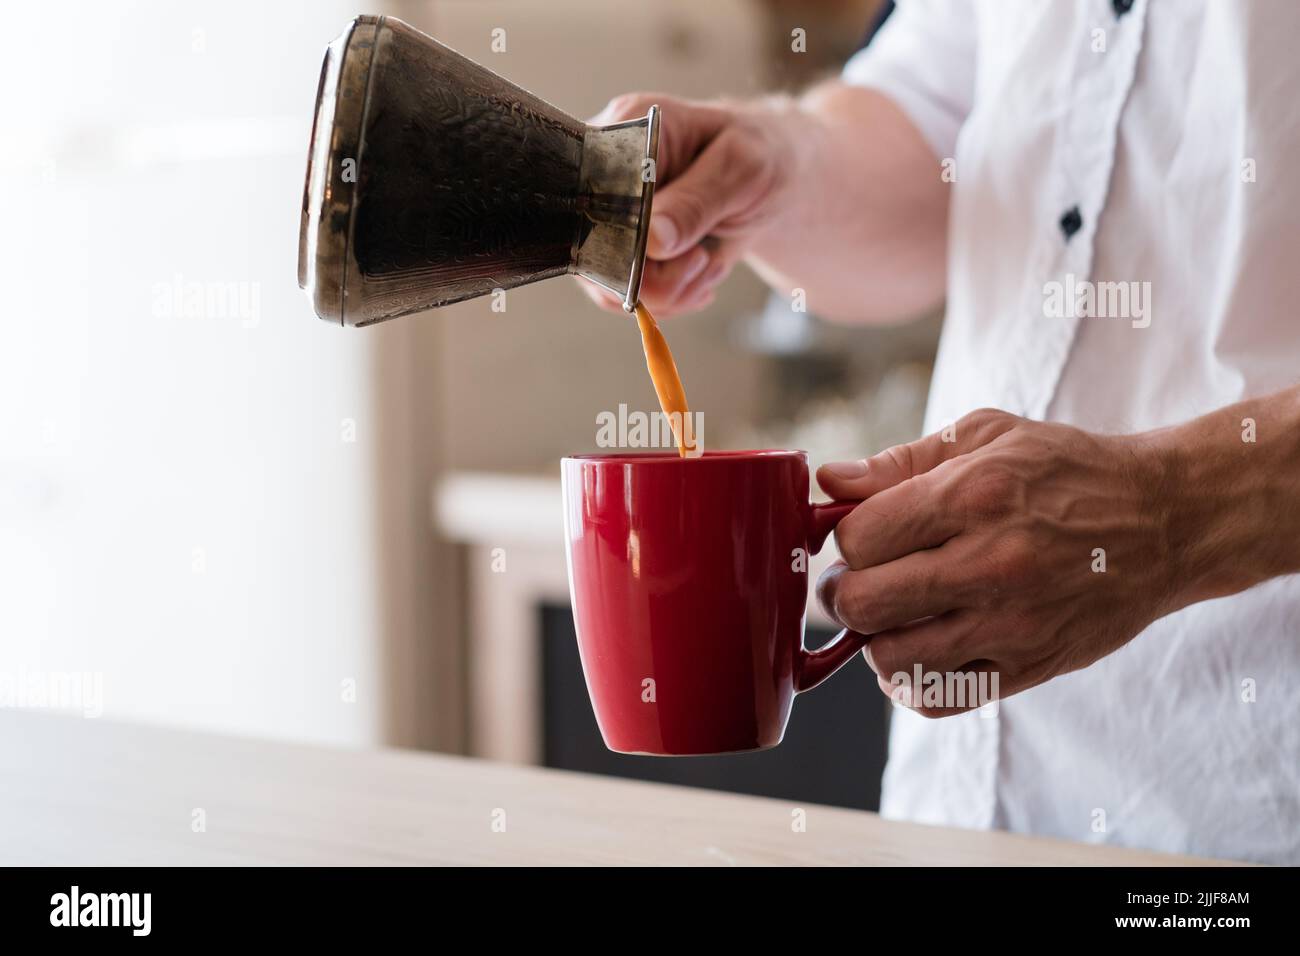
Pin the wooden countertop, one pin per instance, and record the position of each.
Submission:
(89, 792)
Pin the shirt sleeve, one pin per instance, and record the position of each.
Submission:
(923, 58)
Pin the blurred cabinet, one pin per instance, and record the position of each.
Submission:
(833, 751)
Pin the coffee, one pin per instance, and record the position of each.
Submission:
(667, 383)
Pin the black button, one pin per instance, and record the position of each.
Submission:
(1121, 7)
(1071, 222)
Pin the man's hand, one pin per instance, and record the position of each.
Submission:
(724, 173)
(1032, 549)
(835, 193)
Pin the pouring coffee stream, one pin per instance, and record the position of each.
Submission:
(668, 384)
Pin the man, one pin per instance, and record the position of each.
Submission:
(1106, 512)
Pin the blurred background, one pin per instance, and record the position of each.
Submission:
(244, 520)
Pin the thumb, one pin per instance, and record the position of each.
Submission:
(696, 200)
(864, 477)
(625, 107)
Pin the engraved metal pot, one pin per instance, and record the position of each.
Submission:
(431, 180)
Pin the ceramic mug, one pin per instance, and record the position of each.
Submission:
(689, 581)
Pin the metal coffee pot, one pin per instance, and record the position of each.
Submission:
(431, 180)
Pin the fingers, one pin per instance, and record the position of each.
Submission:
(627, 106)
(694, 191)
(684, 284)
(865, 477)
(701, 197)
(944, 693)
(723, 256)
(918, 586)
(685, 127)
(601, 296)
(910, 499)
(937, 645)
(663, 283)
(932, 667)
(909, 517)
(688, 282)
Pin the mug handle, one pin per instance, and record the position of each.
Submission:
(813, 667)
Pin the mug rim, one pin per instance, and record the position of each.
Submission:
(671, 456)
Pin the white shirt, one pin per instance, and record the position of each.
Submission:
(1173, 131)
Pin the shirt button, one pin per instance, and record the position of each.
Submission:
(1121, 7)
(1071, 222)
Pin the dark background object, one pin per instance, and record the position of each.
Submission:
(833, 752)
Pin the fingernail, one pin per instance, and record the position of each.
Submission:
(699, 259)
(714, 274)
(847, 469)
(663, 233)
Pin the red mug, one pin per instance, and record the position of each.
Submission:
(689, 580)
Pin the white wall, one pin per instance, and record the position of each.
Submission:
(178, 510)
